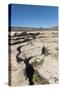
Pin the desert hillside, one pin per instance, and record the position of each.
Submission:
(38, 47)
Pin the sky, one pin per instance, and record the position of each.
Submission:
(33, 16)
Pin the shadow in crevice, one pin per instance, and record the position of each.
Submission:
(24, 35)
(18, 42)
(29, 70)
(17, 56)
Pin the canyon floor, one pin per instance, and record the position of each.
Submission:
(36, 51)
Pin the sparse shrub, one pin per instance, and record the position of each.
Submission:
(38, 79)
(41, 62)
(36, 76)
(36, 63)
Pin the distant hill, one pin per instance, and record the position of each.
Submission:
(32, 29)
(53, 28)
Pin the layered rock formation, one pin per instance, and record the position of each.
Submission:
(25, 48)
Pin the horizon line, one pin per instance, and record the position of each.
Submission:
(32, 27)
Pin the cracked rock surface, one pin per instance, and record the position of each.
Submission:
(28, 46)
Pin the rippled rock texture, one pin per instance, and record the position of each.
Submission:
(33, 57)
